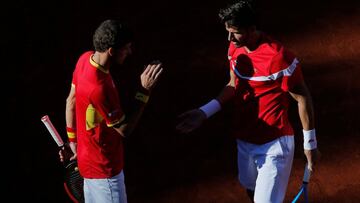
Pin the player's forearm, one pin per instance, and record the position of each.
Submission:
(129, 127)
(306, 112)
(126, 128)
(70, 113)
(305, 107)
(226, 94)
(307, 119)
(229, 90)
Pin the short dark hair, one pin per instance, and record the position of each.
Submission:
(111, 33)
(239, 14)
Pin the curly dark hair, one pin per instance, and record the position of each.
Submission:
(239, 14)
(111, 33)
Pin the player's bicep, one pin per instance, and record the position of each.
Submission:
(299, 91)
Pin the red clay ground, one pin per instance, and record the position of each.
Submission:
(336, 180)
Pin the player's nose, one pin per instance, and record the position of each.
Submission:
(229, 36)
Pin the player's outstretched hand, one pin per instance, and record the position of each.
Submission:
(190, 120)
(150, 75)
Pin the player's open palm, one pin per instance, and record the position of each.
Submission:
(151, 75)
(190, 120)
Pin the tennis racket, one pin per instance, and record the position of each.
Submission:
(73, 182)
(303, 189)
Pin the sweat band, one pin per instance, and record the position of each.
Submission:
(310, 139)
(211, 108)
(142, 97)
(71, 133)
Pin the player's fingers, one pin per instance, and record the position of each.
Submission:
(311, 166)
(61, 152)
(181, 116)
(147, 69)
(61, 157)
(182, 127)
(185, 127)
(156, 70)
(184, 130)
(158, 73)
(151, 70)
(73, 157)
(187, 130)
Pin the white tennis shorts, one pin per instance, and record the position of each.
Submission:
(265, 169)
(107, 190)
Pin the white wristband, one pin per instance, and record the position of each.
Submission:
(211, 108)
(310, 139)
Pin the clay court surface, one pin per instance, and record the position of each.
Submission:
(161, 165)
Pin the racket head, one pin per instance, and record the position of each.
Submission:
(74, 182)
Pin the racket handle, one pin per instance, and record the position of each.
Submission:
(52, 130)
(307, 174)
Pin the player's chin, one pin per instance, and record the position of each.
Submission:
(121, 61)
(237, 45)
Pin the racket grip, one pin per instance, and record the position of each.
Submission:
(307, 174)
(52, 130)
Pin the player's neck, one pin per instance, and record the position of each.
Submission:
(101, 59)
(254, 41)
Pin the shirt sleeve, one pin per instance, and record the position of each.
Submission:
(292, 74)
(106, 102)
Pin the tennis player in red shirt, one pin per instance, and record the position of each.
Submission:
(263, 73)
(96, 123)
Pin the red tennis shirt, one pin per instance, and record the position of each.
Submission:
(264, 76)
(100, 147)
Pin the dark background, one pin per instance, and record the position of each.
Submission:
(42, 41)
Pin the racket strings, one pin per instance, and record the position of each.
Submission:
(76, 187)
(74, 181)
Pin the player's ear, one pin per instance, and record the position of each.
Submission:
(110, 51)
